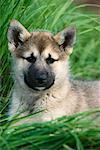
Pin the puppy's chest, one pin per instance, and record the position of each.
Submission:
(49, 106)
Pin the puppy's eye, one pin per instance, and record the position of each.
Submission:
(50, 60)
(31, 58)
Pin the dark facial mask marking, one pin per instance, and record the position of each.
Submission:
(38, 79)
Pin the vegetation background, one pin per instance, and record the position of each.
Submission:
(74, 132)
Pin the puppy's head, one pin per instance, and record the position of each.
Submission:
(40, 59)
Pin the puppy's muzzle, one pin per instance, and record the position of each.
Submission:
(39, 79)
(42, 78)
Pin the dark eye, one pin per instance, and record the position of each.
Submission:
(31, 59)
(50, 60)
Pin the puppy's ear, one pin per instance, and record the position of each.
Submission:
(17, 34)
(66, 39)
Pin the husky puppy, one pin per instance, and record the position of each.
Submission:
(42, 78)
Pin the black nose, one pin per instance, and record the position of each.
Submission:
(41, 78)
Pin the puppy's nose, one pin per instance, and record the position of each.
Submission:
(41, 78)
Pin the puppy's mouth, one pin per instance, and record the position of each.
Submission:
(43, 88)
(39, 86)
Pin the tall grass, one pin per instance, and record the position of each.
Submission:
(77, 132)
(53, 15)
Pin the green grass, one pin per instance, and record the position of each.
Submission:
(53, 15)
(78, 132)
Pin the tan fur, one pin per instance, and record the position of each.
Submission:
(65, 97)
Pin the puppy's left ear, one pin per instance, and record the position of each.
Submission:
(66, 39)
(17, 34)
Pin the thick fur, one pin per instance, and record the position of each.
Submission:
(66, 96)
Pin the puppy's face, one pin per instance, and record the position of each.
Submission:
(40, 57)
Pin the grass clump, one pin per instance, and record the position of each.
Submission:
(72, 132)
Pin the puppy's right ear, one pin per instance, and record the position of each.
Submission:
(17, 34)
(66, 39)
